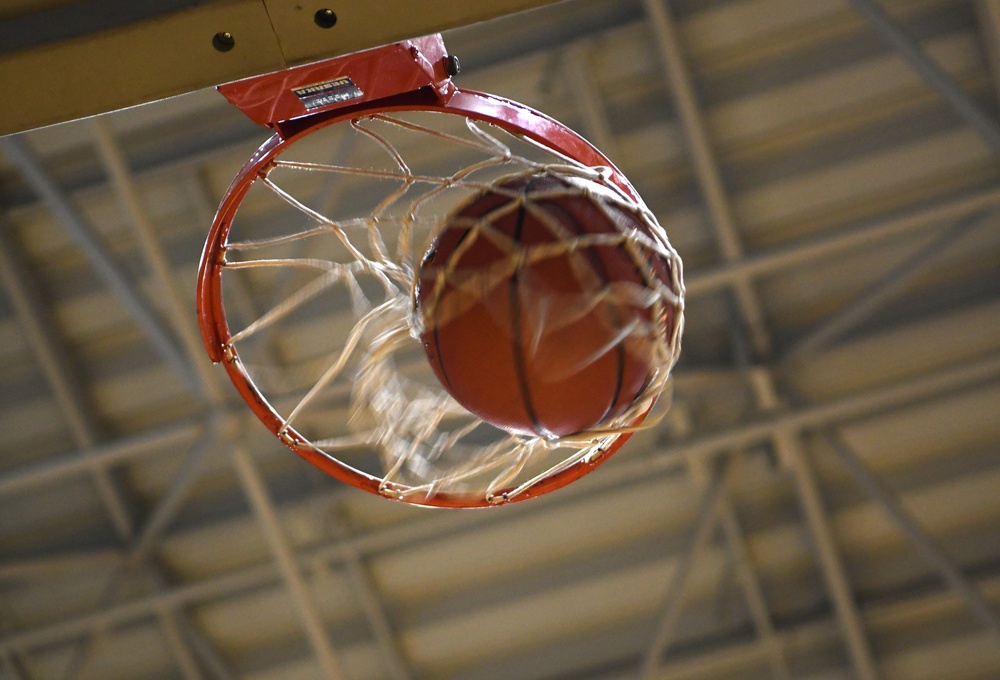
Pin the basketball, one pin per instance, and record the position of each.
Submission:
(543, 303)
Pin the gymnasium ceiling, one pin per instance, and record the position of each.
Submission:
(822, 503)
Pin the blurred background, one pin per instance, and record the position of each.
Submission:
(822, 502)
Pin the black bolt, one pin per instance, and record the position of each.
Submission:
(325, 18)
(452, 65)
(223, 41)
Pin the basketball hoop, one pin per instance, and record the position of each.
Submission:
(308, 287)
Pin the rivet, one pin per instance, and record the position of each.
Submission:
(223, 41)
(325, 18)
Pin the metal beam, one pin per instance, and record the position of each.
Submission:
(753, 593)
(291, 575)
(139, 551)
(866, 404)
(810, 635)
(722, 218)
(988, 18)
(177, 644)
(23, 291)
(831, 565)
(16, 665)
(190, 647)
(882, 291)
(587, 97)
(178, 313)
(816, 416)
(240, 581)
(12, 668)
(970, 111)
(720, 276)
(169, 504)
(751, 318)
(79, 229)
(84, 429)
(129, 196)
(929, 550)
(81, 460)
(597, 127)
(48, 567)
(367, 592)
(217, 667)
(788, 446)
(806, 251)
(231, 583)
(666, 623)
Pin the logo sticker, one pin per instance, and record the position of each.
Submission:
(328, 92)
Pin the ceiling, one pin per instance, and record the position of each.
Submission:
(822, 501)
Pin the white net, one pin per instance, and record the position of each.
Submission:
(320, 270)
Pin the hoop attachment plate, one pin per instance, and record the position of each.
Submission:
(276, 99)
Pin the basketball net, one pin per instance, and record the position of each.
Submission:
(318, 269)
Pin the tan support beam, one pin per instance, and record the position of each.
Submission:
(173, 54)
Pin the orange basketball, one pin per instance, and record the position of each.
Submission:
(536, 316)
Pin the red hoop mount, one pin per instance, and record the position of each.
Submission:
(281, 100)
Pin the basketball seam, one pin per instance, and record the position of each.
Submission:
(520, 370)
(602, 274)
